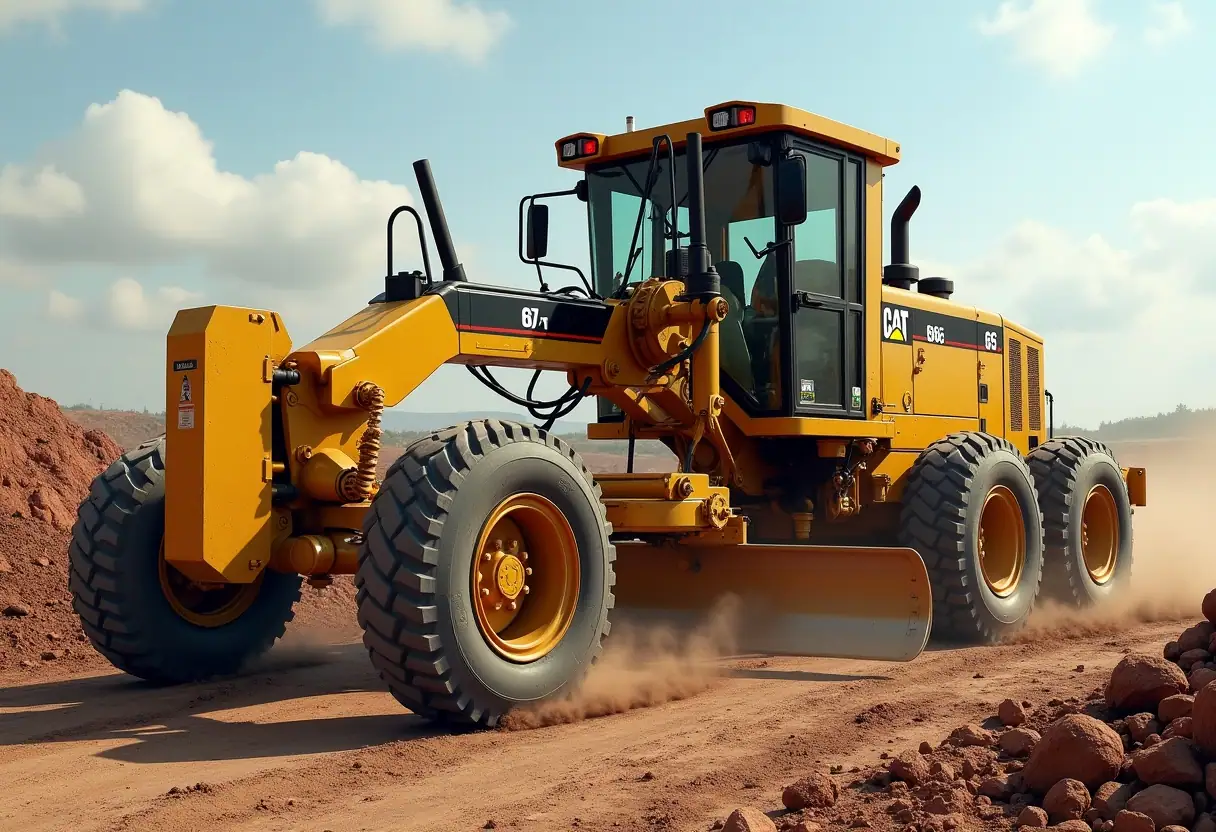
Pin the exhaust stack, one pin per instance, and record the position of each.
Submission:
(628, 124)
(900, 273)
(452, 270)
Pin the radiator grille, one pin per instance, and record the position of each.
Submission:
(1015, 385)
(1034, 393)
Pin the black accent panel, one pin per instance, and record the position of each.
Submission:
(498, 310)
(904, 324)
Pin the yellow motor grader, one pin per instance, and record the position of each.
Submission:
(860, 459)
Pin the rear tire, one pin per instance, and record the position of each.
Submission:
(419, 600)
(959, 486)
(1087, 517)
(117, 589)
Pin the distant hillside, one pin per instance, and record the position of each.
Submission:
(1180, 423)
(129, 428)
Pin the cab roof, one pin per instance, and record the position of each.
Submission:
(729, 120)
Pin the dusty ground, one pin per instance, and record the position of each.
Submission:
(310, 741)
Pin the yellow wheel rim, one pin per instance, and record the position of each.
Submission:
(205, 605)
(1100, 534)
(525, 578)
(1002, 542)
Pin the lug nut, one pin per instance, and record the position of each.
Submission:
(487, 556)
(527, 589)
(497, 545)
(497, 607)
(527, 570)
(485, 591)
(514, 605)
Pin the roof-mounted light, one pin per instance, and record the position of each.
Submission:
(578, 147)
(726, 118)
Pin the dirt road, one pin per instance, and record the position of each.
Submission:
(310, 741)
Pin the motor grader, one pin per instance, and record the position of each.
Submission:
(861, 460)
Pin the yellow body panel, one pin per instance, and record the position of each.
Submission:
(218, 441)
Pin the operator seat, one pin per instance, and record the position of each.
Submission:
(733, 352)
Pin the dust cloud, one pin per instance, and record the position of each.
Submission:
(1175, 560)
(641, 668)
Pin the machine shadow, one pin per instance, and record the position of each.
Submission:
(148, 723)
(801, 675)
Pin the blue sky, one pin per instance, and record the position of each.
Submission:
(1058, 145)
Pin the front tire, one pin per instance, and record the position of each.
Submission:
(1087, 516)
(971, 511)
(141, 613)
(485, 579)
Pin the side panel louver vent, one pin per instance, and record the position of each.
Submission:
(1015, 385)
(1034, 393)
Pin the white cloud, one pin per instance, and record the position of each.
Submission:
(1059, 36)
(1127, 323)
(51, 12)
(136, 184)
(464, 29)
(1170, 22)
(61, 307)
(43, 194)
(130, 308)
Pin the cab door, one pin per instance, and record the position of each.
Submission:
(827, 313)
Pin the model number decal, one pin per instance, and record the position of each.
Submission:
(935, 334)
(532, 319)
(992, 340)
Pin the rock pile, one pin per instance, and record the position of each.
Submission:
(1138, 755)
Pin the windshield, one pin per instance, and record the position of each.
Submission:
(738, 211)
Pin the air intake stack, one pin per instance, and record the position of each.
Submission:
(900, 273)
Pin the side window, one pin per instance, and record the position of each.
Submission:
(817, 241)
(624, 216)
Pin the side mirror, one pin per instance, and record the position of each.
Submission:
(538, 231)
(791, 191)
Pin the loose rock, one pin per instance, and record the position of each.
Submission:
(1076, 746)
(1019, 742)
(1165, 805)
(1033, 817)
(1141, 682)
(1180, 727)
(1171, 762)
(1127, 821)
(1175, 707)
(970, 734)
(1066, 800)
(1200, 678)
(1011, 713)
(1139, 726)
(16, 611)
(1209, 606)
(749, 819)
(1111, 798)
(815, 791)
(909, 767)
(1072, 826)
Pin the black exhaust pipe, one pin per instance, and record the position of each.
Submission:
(900, 273)
(452, 270)
(703, 281)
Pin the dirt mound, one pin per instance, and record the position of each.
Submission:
(1122, 754)
(47, 461)
(128, 428)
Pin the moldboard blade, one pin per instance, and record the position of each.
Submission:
(850, 602)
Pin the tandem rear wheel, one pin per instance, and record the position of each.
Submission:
(1087, 517)
(485, 578)
(140, 612)
(970, 508)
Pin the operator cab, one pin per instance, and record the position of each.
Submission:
(792, 341)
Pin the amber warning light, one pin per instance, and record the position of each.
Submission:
(729, 117)
(579, 147)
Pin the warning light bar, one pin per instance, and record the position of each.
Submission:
(579, 147)
(728, 117)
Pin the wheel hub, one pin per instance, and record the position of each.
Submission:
(1100, 534)
(1001, 543)
(525, 578)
